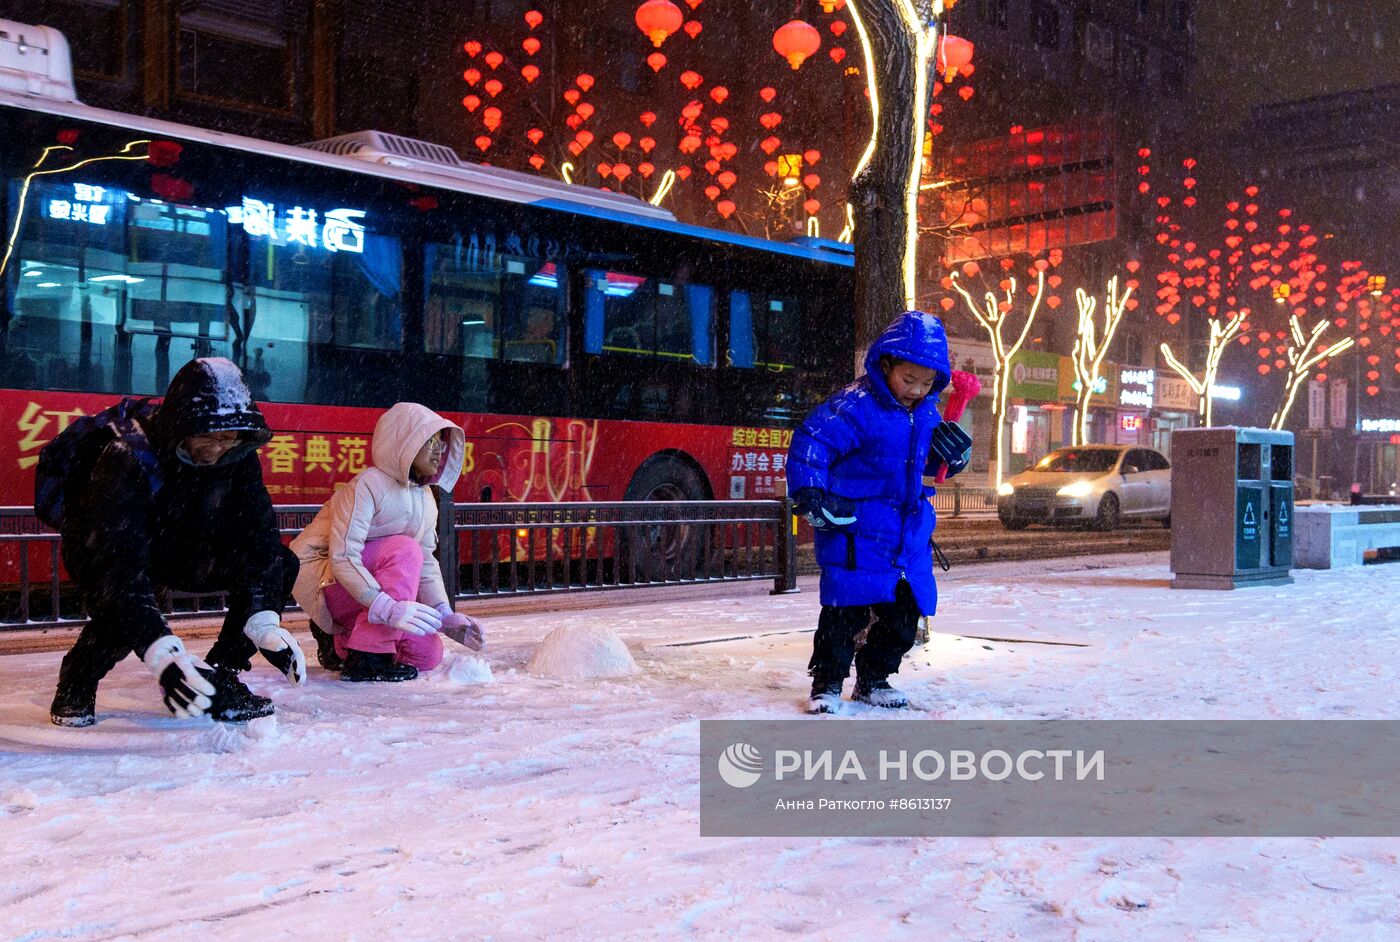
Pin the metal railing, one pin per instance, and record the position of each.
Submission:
(955, 500)
(486, 551)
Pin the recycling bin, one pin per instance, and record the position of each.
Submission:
(1232, 507)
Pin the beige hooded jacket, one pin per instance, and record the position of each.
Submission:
(380, 501)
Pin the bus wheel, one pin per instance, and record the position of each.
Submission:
(663, 551)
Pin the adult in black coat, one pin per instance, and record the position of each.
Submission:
(190, 513)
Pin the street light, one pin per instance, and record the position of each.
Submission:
(790, 169)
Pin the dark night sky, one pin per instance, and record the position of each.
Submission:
(1263, 51)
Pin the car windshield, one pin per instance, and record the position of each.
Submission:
(1077, 459)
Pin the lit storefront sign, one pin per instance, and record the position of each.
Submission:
(1229, 393)
(1380, 425)
(1130, 423)
(335, 230)
(1137, 387)
(338, 230)
(87, 205)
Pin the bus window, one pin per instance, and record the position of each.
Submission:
(65, 275)
(346, 299)
(763, 331)
(493, 306)
(632, 315)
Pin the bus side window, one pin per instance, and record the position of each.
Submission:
(493, 306)
(632, 315)
(763, 331)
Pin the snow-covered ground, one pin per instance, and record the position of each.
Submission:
(482, 802)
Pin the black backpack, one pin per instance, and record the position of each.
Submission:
(71, 456)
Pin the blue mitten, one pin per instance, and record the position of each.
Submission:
(824, 511)
(951, 446)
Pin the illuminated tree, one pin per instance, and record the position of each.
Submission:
(1091, 344)
(1303, 353)
(995, 315)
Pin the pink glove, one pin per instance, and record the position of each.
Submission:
(463, 629)
(412, 617)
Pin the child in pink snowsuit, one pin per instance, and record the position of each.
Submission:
(367, 567)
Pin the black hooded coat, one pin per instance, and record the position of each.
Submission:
(200, 528)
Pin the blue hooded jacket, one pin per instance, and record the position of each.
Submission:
(863, 445)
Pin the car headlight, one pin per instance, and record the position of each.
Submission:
(1077, 489)
(1004, 489)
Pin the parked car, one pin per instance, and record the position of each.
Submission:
(1092, 485)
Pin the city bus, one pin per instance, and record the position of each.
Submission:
(592, 346)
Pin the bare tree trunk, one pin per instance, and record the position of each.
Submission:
(878, 192)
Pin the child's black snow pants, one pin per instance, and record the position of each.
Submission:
(890, 637)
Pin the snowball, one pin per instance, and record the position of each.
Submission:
(581, 651)
(465, 670)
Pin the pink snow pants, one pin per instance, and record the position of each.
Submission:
(396, 562)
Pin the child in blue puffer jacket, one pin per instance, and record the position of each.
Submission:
(855, 470)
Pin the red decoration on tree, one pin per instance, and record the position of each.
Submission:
(813, 206)
(719, 93)
(491, 117)
(533, 18)
(837, 53)
(692, 79)
(483, 143)
(472, 47)
(770, 120)
(648, 118)
(621, 139)
(838, 27)
(471, 76)
(954, 52)
(658, 19)
(534, 135)
(493, 87)
(693, 28)
(726, 208)
(584, 81)
(471, 103)
(795, 41)
(813, 157)
(657, 61)
(767, 93)
(529, 73)
(494, 59)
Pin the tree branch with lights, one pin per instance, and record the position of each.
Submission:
(994, 315)
(1303, 355)
(1091, 345)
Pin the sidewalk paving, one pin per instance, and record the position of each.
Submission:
(481, 802)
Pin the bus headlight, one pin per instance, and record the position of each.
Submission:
(1077, 489)
(1004, 489)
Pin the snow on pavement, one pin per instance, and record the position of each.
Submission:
(485, 803)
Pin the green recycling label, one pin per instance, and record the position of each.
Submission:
(1249, 518)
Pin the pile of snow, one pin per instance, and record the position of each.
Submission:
(581, 651)
(464, 670)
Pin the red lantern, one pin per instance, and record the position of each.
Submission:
(770, 120)
(727, 179)
(471, 103)
(648, 118)
(584, 81)
(584, 138)
(795, 41)
(812, 207)
(472, 47)
(621, 139)
(572, 96)
(965, 92)
(647, 144)
(494, 59)
(483, 143)
(719, 93)
(692, 79)
(811, 156)
(536, 161)
(534, 135)
(726, 208)
(838, 27)
(646, 169)
(767, 93)
(585, 110)
(720, 125)
(531, 45)
(530, 73)
(954, 52)
(658, 19)
(683, 172)
(491, 117)
(693, 28)
(770, 144)
(712, 191)
(533, 18)
(605, 170)
(836, 53)
(493, 87)
(811, 181)
(831, 6)
(657, 61)
(622, 172)
(471, 76)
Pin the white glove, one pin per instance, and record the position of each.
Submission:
(412, 617)
(184, 687)
(277, 645)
